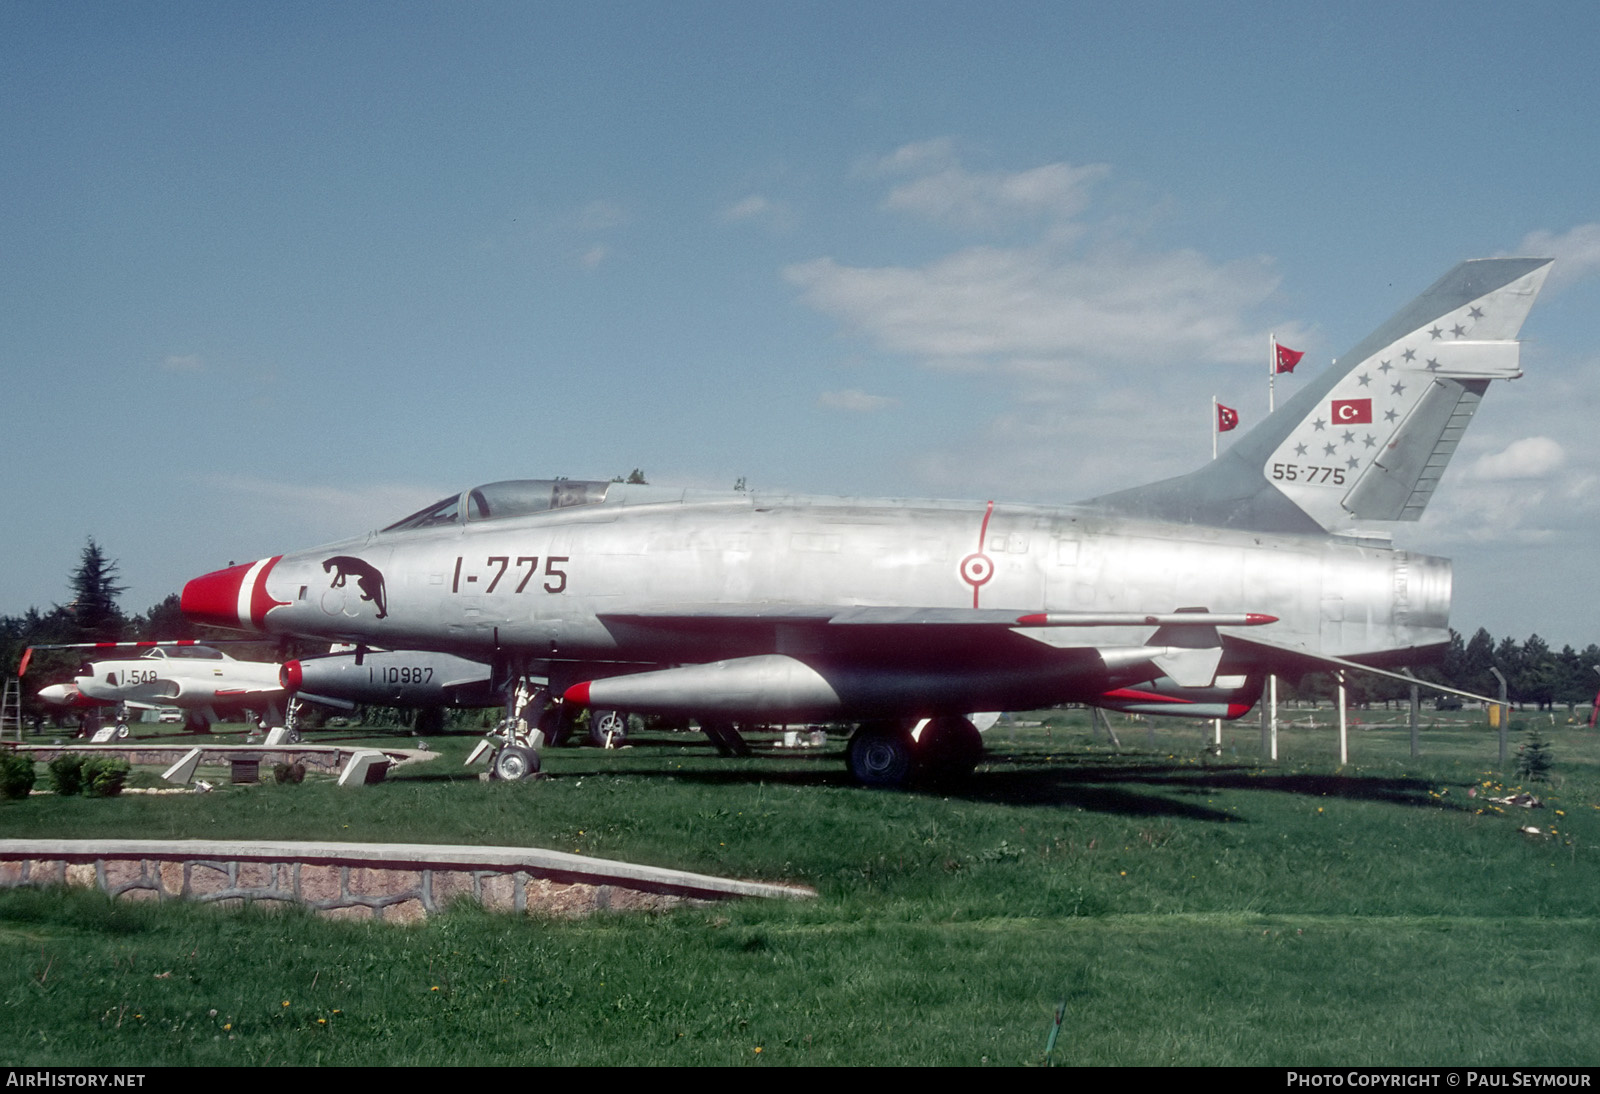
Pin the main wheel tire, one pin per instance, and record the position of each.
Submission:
(122, 731)
(604, 723)
(948, 749)
(515, 762)
(880, 754)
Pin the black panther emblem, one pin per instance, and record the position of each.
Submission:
(368, 579)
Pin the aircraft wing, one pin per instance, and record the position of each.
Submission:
(712, 615)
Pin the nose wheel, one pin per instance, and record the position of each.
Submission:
(513, 762)
(513, 748)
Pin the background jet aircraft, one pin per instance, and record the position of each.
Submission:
(205, 682)
(1174, 598)
(198, 679)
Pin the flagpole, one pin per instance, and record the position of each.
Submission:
(1213, 427)
(1272, 369)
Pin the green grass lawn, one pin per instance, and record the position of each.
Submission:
(1183, 907)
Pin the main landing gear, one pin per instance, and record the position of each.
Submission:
(608, 728)
(936, 751)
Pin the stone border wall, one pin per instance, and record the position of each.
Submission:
(393, 883)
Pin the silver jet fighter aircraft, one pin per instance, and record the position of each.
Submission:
(1174, 598)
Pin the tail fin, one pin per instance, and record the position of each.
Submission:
(1369, 438)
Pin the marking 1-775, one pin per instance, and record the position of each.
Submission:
(497, 566)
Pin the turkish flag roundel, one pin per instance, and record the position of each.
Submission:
(1351, 411)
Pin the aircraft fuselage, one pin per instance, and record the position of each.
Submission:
(647, 577)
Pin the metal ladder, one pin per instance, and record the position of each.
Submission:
(11, 710)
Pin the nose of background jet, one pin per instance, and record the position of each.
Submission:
(235, 598)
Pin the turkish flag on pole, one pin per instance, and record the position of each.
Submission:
(1227, 418)
(1288, 358)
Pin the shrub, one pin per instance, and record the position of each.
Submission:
(103, 776)
(16, 775)
(66, 774)
(288, 774)
(1534, 758)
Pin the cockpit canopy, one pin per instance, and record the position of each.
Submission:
(197, 653)
(499, 500)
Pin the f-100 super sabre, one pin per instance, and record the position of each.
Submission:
(907, 616)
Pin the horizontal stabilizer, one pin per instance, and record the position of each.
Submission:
(1322, 662)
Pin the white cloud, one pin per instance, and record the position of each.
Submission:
(939, 152)
(184, 362)
(1096, 341)
(1529, 458)
(760, 209)
(595, 255)
(1055, 193)
(943, 191)
(1045, 313)
(744, 209)
(1577, 252)
(1056, 309)
(858, 402)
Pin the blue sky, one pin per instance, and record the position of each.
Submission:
(275, 273)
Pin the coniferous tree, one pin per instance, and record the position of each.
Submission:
(95, 614)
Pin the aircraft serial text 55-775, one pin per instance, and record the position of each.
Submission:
(1174, 598)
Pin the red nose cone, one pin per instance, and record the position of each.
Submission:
(289, 676)
(235, 597)
(214, 598)
(578, 694)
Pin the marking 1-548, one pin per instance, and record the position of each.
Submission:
(499, 564)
